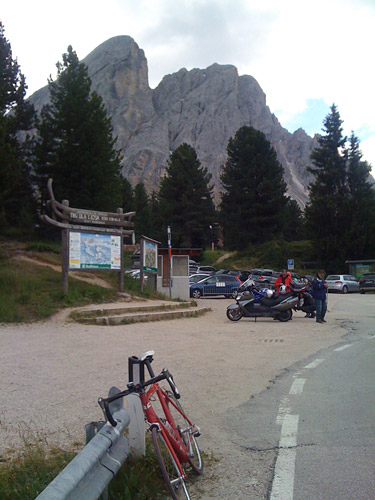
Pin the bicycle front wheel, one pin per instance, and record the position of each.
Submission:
(168, 467)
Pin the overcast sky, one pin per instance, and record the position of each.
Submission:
(304, 54)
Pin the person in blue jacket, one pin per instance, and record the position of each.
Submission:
(319, 292)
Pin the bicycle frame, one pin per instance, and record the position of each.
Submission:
(173, 439)
(181, 451)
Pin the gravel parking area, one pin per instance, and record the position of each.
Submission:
(53, 372)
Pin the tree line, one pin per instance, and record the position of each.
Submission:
(72, 141)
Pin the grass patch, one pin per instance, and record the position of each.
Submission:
(29, 292)
(272, 254)
(44, 246)
(28, 474)
(132, 286)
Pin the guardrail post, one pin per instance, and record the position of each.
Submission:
(137, 437)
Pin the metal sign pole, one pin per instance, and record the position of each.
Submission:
(170, 260)
(141, 259)
(65, 255)
(121, 272)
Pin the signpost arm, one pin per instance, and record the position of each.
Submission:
(65, 255)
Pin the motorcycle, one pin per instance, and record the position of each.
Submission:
(248, 306)
(305, 302)
(250, 286)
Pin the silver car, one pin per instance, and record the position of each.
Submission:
(343, 283)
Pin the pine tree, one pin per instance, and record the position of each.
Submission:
(75, 145)
(340, 215)
(253, 201)
(361, 214)
(185, 199)
(142, 219)
(294, 222)
(127, 195)
(16, 115)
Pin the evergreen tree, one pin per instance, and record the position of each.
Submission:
(16, 115)
(185, 199)
(253, 202)
(75, 145)
(142, 218)
(340, 213)
(294, 222)
(127, 195)
(361, 204)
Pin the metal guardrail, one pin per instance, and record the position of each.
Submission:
(89, 473)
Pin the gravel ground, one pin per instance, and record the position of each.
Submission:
(52, 373)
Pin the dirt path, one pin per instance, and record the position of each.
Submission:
(88, 278)
(52, 373)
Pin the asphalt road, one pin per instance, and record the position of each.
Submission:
(316, 422)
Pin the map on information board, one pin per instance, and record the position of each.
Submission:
(94, 251)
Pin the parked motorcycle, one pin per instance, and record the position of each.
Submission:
(305, 302)
(250, 286)
(278, 306)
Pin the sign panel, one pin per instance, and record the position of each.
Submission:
(150, 256)
(290, 264)
(94, 251)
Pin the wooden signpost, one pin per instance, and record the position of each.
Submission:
(91, 240)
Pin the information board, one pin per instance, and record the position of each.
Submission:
(94, 251)
(150, 256)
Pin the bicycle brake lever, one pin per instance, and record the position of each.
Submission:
(170, 380)
(107, 414)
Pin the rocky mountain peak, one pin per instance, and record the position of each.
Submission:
(203, 107)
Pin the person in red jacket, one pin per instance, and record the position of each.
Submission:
(285, 278)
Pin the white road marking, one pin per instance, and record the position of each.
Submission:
(297, 386)
(343, 347)
(284, 409)
(283, 480)
(314, 364)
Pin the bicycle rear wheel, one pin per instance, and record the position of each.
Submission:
(186, 433)
(168, 467)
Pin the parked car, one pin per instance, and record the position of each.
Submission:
(193, 269)
(218, 284)
(195, 278)
(264, 277)
(367, 283)
(343, 283)
(206, 269)
(241, 275)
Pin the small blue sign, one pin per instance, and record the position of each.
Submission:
(290, 264)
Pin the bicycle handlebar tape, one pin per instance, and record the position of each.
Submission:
(169, 377)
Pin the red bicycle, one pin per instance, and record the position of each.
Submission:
(173, 434)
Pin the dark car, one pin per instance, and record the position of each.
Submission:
(367, 283)
(218, 284)
(241, 275)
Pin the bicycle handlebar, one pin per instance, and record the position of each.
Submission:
(164, 375)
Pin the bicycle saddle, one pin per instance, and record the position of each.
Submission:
(147, 354)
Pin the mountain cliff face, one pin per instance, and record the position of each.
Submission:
(203, 107)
